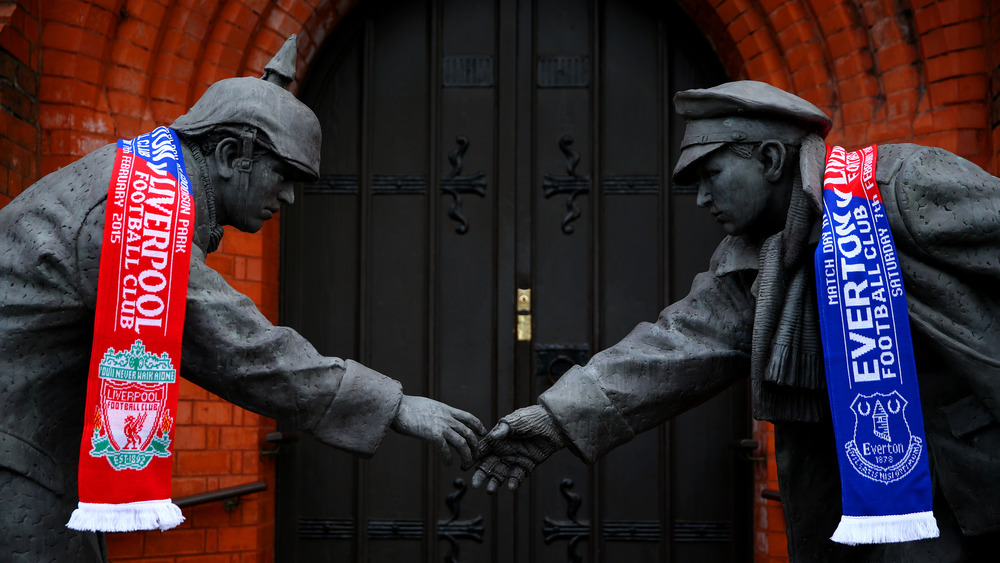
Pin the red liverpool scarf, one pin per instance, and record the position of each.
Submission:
(125, 462)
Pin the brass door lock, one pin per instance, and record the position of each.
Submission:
(523, 315)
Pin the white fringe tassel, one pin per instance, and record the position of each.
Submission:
(128, 517)
(886, 529)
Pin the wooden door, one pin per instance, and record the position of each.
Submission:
(479, 154)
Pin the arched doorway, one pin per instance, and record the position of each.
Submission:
(495, 205)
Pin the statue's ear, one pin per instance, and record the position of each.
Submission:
(225, 155)
(772, 155)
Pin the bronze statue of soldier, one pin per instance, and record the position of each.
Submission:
(757, 156)
(245, 143)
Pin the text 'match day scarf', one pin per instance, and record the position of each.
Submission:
(125, 462)
(870, 372)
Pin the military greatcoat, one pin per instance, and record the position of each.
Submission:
(944, 213)
(49, 257)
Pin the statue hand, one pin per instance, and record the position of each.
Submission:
(519, 442)
(442, 425)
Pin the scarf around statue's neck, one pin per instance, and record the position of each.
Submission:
(803, 346)
(871, 374)
(126, 454)
(787, 360)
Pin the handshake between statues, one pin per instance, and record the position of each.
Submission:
(518, 443)
(508, 453)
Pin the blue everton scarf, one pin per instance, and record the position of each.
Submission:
(870, 373)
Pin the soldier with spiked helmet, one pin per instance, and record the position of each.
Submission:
(243, 145)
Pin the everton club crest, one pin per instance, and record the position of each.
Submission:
(132, 424)
(883, 449)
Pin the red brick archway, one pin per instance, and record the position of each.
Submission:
(886, 70)
(77, 74)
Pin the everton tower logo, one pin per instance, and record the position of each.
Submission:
(883, 449)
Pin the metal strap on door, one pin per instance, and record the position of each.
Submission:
(455, 184)
(451, 530)
(572, 184)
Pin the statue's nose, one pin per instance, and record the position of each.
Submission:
(704, 197)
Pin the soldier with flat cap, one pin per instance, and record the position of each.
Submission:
(245, 143)
(757, 156)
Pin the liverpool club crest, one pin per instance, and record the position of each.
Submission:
(132, 424)
(883, 448)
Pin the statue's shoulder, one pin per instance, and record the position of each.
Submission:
(78, 185)
(920, 161)
(892, 158)
(931, 170)
(62, 201)
(937, 198)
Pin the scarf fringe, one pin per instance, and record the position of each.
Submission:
(130, 517)
(854, 530)
(781, 403)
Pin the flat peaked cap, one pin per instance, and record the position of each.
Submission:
(742, 111)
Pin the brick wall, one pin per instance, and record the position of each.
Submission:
(994, 93)
(19, 131)
(76, 74)
(769, 521)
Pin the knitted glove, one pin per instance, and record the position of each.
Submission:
(519, 442)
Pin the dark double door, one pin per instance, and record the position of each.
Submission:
(495, 205)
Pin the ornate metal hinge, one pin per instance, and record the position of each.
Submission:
(454, 529)
(572, 529)
(396, 529)
(455, 184)
(576, 531)
(333, 184)
(572, 184)
(344, 529)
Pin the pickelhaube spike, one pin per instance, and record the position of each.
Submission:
(281, 69)
(284, 125)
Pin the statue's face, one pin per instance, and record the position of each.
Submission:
(734, 189)
(271, 184)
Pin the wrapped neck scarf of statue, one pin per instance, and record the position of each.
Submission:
(868, 354)
(125, 454)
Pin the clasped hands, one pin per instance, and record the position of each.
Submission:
(518, 443)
